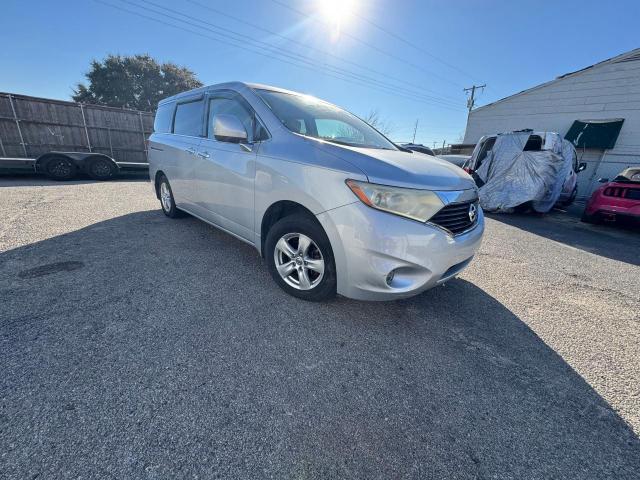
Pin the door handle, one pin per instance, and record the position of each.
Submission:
(204, 154)
(191, 150)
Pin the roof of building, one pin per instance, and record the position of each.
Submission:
(631, 56)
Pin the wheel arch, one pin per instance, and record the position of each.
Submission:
(86, 160)
(44, 158)
(277, 211)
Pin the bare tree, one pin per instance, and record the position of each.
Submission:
(374, 119)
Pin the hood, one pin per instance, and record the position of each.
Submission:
(402, 169)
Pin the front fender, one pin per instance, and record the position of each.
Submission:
(316, 182)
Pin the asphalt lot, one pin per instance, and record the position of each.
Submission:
(136, 346)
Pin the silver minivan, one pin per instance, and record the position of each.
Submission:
(330, 203)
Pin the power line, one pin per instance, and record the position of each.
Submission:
(324, 52)
(373, 47)
(413, 45)
(344, 74)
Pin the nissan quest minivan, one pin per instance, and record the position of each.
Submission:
(330, 203)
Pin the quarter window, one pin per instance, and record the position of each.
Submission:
(164, 115)
(188, 119)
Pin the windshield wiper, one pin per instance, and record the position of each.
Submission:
(342, 142)
(350, 144)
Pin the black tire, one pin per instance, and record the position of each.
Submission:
(569, 201)
(101, 168)
(523, 208)
(295, 225)
(572, 198)
(586, 218)
(60, 168)
(169, 204)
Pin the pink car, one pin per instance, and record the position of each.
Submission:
(618, 199)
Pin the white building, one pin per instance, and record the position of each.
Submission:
(609, 90)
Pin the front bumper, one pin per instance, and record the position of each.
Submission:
(368, 244)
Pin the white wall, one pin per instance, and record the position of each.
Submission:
(608, 90)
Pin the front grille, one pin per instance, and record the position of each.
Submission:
(455, 217)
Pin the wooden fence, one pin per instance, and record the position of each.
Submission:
(31, 126)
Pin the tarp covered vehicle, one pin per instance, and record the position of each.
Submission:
(524, 168)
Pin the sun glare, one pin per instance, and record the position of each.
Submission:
(336, 13)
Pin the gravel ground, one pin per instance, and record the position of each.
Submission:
(135, 346)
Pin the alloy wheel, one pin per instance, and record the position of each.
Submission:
(299, 261)
(60, 168)
(165, 196)
(101, 168)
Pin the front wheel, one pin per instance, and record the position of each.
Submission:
(300, 258)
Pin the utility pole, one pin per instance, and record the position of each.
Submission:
(471, 101)
(415, 129)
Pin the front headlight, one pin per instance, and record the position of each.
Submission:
(418, 205)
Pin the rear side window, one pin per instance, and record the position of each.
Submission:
(164, 115)
(484, 150)
(188, 119)
(534, 144)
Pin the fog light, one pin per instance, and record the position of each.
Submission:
(390, 276)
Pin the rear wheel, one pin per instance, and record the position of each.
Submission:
(569, 201)
(60, 168)
(167, 202)
(300, 258)
(102, 169)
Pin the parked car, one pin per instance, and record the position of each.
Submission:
(618, 199)
(457, 160)
(540, 144)
(418, 147)
(331, 204)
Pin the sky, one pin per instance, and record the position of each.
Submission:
(407, 60)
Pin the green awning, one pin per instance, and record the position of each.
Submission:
(595, 133)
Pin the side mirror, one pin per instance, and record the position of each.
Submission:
(582, 166)
(603, 180)
(229, 128)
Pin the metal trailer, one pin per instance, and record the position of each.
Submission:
(63, 139)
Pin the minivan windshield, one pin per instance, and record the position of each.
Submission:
(315, 118)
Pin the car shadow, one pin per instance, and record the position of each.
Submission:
(31, 179)
(167, 344)
(618, 243)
